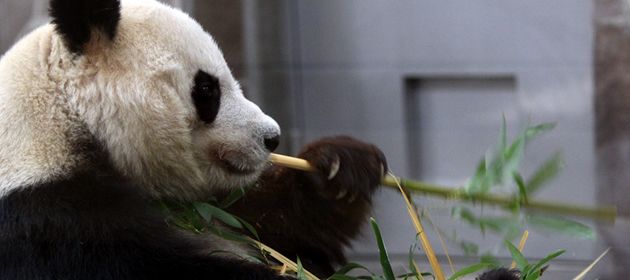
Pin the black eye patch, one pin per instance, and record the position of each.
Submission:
(206, 94)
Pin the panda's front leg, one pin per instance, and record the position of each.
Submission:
(314, 215)
(349, 169)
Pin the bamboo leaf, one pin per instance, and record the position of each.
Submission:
(515, 151)
(300, 271)
(503, 140)
(469, 248)
(412, 263)
(518, 258)
(533, 132)
(351, 266)
(341, 277)
(183, 224)
(385, 264)
(469, 270)
(413, 275)
(488, 258)
(562, 226)
(534, 272)
(249, 227)
(207, 211)
(504, 225)
(511, 161)
(547, 171)
(229, 236)
(521, 186)
(188, 215)
(234, 197)
(474, 185)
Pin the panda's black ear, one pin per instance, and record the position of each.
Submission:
(76, 19)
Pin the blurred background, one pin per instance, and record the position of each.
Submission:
(429, 82)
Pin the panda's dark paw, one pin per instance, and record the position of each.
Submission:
(350, 169)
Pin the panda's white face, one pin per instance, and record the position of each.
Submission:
(160, 98)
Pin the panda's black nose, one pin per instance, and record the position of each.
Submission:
(272, 143)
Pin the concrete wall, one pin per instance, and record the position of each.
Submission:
(361, 63)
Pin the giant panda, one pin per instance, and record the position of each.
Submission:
(117, 104)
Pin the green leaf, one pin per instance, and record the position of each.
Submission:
(385, 264)
(469, 270)
(407, 276)
(547, 171)
(415, 276)
(412, 266)
(488, 258)
(518, 258)
(503, 225)
(469, 248)
(187, 215)
(474, 185)
(526, 270)
(207, 211)
(503, 141)
(230, 236)
(521, 186)
(249, 227)
(533, 132)
(184, 224)
(512, 160)
(351, 266)
(534, 272)
(515, 151)
(300, 273)
(341, 277)
(234, 196)
(562, 226)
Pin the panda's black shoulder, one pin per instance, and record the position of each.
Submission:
(93, 225)
(97, 225)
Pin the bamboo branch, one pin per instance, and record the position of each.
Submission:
(604, 213)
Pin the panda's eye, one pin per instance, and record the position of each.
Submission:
(206, 95)
(207, 89)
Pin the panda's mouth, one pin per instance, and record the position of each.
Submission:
(235, 163)
(235, 168)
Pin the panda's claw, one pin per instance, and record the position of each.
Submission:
(334, 168)
(352, 198)
(341, 194)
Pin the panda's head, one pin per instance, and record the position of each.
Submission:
(143, 80)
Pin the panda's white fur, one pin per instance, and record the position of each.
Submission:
(133, 94)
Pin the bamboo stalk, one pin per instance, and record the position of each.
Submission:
(292, 162)
(284, 260)
(435, 265)
(520, 247)
(605, 213)
(588, 268)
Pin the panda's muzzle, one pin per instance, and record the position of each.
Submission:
(237, 169)
(237, 162)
